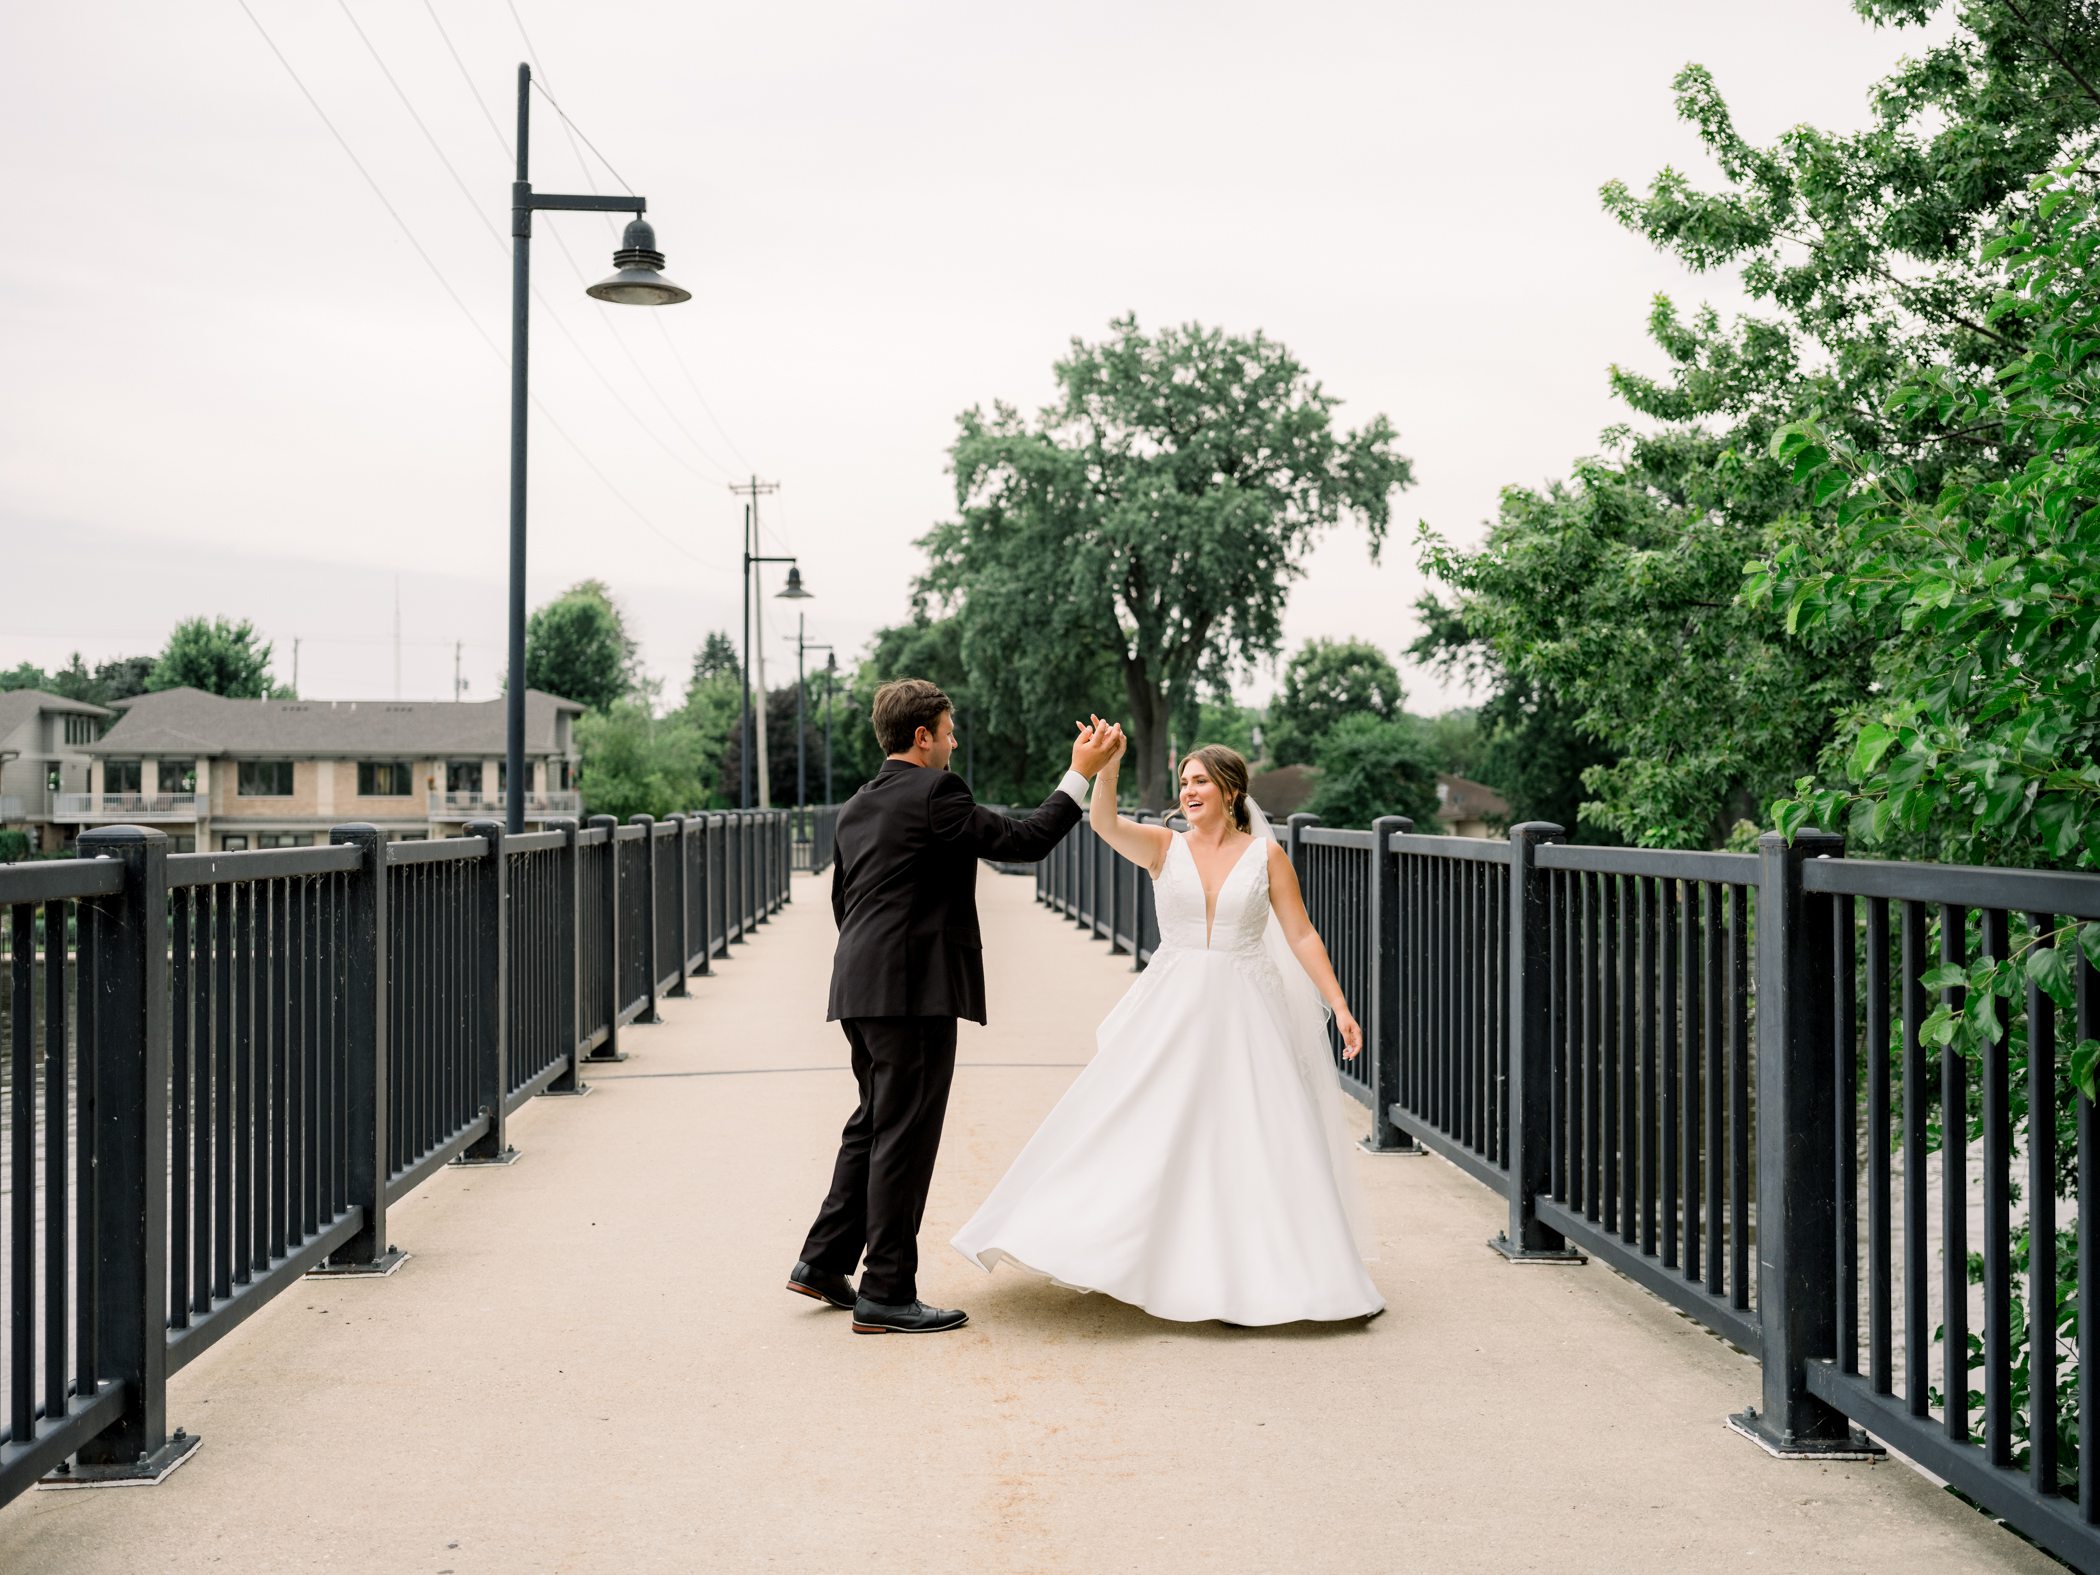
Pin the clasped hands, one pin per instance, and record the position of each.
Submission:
(1098, 743)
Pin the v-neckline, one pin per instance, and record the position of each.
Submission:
(1210, 898)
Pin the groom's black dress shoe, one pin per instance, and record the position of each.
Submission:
(821, 1285)
(905, 1318)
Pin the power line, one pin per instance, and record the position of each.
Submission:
(410, 235)
(466, 76)
(446, 285)
(467, 195)
(539, 81)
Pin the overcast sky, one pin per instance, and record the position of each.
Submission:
(231, 385)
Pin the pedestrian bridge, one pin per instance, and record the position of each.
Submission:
(586, 1362)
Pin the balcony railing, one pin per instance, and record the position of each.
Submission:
(13, 806)
(474, 806)
(125, 806)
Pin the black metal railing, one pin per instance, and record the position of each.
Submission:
(1713, 1071)
(815, 836)
(219, 1071)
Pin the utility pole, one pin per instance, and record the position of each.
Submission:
(397, 637)
(458, 685)
(803, 645)
(295, 664)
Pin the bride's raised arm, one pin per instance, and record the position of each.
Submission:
(1141, 844)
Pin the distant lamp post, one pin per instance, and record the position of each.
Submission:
(1255, 740)
(831, 673)
(793, 593)
(639, 281)
(802, 646)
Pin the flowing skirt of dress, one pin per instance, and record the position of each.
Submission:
(1188, 1168)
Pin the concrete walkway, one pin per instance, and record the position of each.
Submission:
(590, 1365)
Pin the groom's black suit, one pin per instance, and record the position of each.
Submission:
(910, 961)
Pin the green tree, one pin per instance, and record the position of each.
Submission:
(1326, 681)
(1979, 737)
(634, 763)
(713, 708)
(219, 656)
(1458, 742)
(1157, 510)
(1372, 766)
(578, 647)
(1861, 256)
(117, 679)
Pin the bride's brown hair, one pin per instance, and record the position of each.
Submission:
(1227, 768)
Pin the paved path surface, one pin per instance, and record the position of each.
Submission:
(590, 1365)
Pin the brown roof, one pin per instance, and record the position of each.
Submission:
(190, 721)
(1461, 798)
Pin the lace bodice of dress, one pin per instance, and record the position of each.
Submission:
(1243, 901)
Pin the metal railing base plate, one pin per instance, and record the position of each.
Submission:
(578, 1092)
(1409, 1149)
(597, 1059)
(378, 1269)
(470, 1162)
(1854, 1446)
(145, 1471)
(1513, 1253)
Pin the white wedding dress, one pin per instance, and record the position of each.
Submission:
(1199, 1166)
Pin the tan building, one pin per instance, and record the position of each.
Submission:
(1470, 809)
(44, 740)
(220, 775)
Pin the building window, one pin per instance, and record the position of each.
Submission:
(409, 836)
(462, 776)
(81, 730)
(178, 776)
(266, 779)
(233, 844)
(120, 776)
(384, 779)
(565, 783)
(284, 839)
(182, 844)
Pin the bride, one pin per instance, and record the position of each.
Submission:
(1198, 1166)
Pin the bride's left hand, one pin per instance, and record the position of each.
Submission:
(1351, 1031)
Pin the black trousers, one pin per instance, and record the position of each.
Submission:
(878, 1187)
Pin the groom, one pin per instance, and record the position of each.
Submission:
(910, 962)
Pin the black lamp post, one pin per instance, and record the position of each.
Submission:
(831, 673)
(637, 282)
(793, 593)
(802, 645)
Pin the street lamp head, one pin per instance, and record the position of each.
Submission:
(794, 591)
(638, 282)
(831, 662)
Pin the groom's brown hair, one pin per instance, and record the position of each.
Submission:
(902, 708)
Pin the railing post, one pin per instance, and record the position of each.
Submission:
(1382, 1011)
(678, 920)
(1116, 867)
(609, 938)
(569, 946)
(1294, 840)
(124, 1128)
(367, 1141)
(787, 859)
(647, 939)
(490, 1054)
(703, 872)
(1530, 1052)
(1796, 1135)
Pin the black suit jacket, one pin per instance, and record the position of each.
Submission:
(904, 891)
